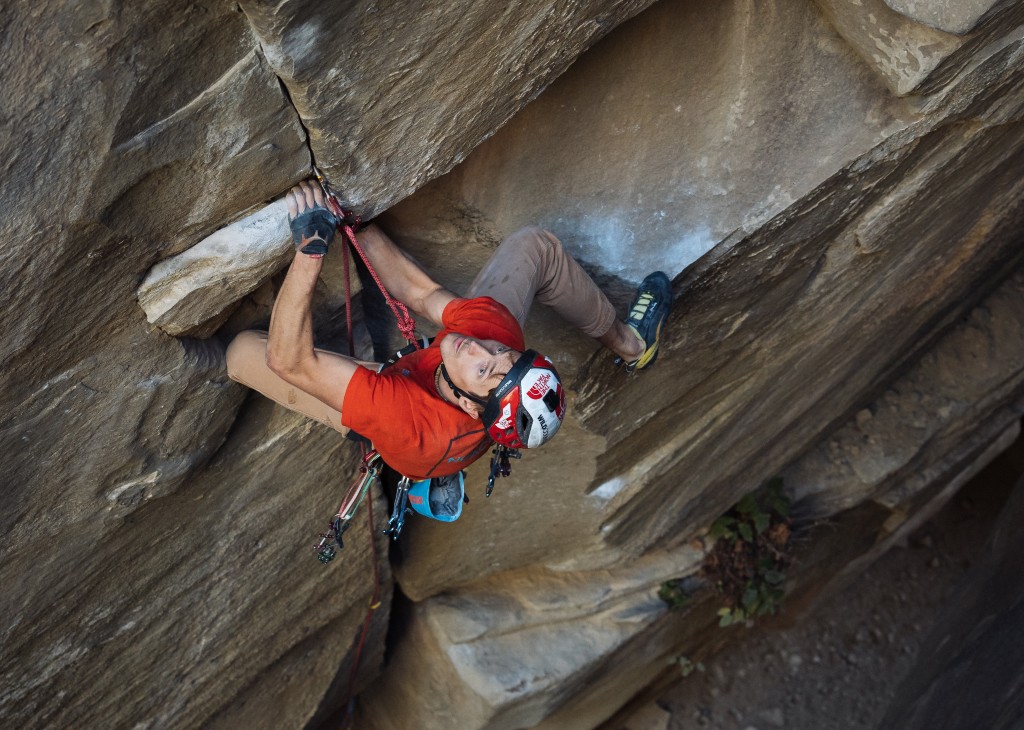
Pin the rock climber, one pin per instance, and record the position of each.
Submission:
(438, 409)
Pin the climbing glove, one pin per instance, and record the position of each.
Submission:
(313, 230)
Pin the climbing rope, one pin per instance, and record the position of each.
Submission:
(348, 305)
(374, 605)
(369, 470)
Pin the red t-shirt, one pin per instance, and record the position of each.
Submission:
(416, 432)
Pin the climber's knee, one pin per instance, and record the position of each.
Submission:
(247, 352)
(533, 238)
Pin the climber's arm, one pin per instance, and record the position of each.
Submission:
(404, 279)
(290, 352)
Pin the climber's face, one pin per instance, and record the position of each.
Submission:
(476, 366)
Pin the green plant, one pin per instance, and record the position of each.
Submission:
(686, 665)
(747, 565)
(675, 594)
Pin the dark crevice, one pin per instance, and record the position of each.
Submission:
(284, 88)
(305, 130)
(375, 317)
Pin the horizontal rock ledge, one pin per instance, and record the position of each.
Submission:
(186, 290)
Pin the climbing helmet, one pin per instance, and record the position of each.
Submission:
(528, 406)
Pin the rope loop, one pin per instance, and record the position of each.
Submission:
(347, 223)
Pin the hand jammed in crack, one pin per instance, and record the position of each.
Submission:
(311, 223)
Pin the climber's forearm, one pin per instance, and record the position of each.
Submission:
(290, 353)
(290, 341)
(404, 279)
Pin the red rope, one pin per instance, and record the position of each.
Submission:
(406, 324)
(348, 306)
(374, 605)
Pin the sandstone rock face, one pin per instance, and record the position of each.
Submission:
(386, 148)
(135, 567)
(903, 51)
(689, 136)
(182, 292)
(199, 286)
(827, 237)
(502, 655)
(952, 17)
(957, 398)
(394, 96)
(174, 113)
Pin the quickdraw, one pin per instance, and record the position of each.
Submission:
(397, 520)
(369, 470)
(500, 464)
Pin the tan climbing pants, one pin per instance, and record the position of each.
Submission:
(531, 264)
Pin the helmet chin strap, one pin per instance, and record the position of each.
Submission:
(459, 392)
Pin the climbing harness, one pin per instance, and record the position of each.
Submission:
(397, 520)
(440, 498)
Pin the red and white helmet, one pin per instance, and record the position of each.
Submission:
(528, 406)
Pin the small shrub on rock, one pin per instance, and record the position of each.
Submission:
(747, 565)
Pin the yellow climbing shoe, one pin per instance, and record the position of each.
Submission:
(647, 315)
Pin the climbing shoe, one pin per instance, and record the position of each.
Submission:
(647, 315)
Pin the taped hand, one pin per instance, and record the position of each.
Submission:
(311, 223)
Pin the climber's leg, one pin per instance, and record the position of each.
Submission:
(532, 263)
(247, 364)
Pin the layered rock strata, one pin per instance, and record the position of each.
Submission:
(824, 233)
(393, 96)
